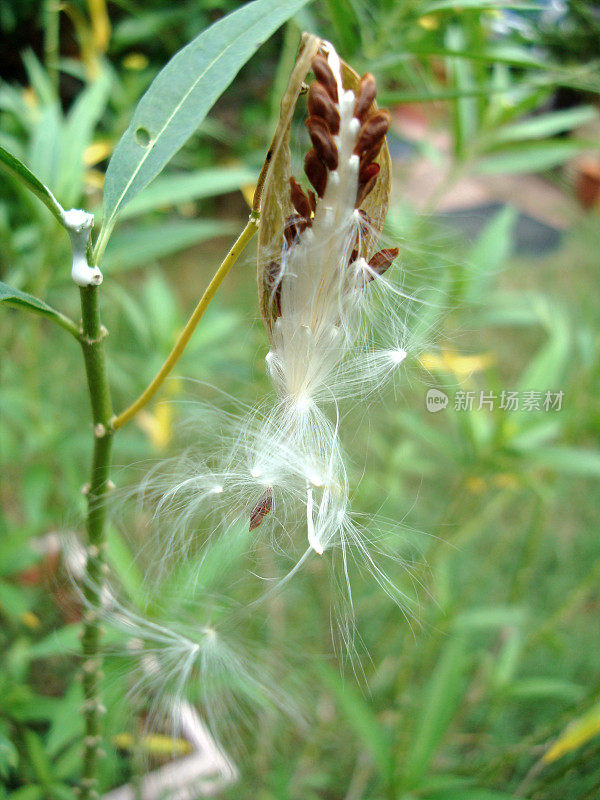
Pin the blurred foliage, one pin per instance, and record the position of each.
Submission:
(492, 689)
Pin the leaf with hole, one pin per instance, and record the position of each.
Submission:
(180, 97)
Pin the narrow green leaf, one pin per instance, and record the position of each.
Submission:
(547, 368)
(38, 757)
(19, 299)
(569, 460)
(478, 5)
(441, 701)
(18, 170)
(180, 97)
(465, 121)
(77, 135)
(361, 718)
(137, 246)
(531, 433)
(490, 253)
(503, 54)
(489, 618)
(65, 641)
(542, 688)
(532, 157)
(168, 190)
(546, 125)
(390, 97)
(468, 794)
(346, 24)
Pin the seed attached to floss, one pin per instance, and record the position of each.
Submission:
(382, 261)
(261, 509)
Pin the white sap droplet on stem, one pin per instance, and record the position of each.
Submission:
(79, 224)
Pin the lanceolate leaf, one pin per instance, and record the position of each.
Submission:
(14, 297)
(180, 97)
(17, 169)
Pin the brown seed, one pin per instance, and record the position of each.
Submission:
(261, 509)
(322, 140)
(367, 178)
(365, 95)
(367, 171)
(316, 172)
(325, 76)
(382, 260)
(373, 130)
(364, 189)
(320, 104)
(371, 153)
(299, 199)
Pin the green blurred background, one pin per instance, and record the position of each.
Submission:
(490, 688)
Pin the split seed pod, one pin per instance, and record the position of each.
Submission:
(280, 219)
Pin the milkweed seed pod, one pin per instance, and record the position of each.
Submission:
(340, 217)
(316, 256)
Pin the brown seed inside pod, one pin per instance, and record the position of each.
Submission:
(365, 95)
(320, 104)
(322, 140)
(316, 172)
(324, 75)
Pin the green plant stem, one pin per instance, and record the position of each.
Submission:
(92, 343)
(185, 335)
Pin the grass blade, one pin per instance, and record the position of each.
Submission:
(361, 719)
(443, 695)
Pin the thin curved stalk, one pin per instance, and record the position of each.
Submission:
(190, 327)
